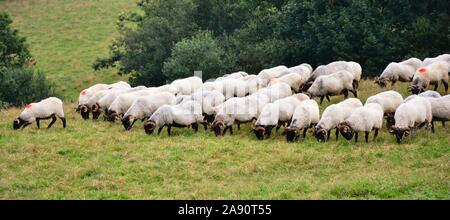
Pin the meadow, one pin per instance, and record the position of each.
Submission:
(99, 160)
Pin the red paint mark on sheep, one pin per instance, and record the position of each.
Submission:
(28, 106)
(422, 70)
(83, 93)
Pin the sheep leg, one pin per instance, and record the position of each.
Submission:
(328, 135)
(239, 126)
(304, 132)
(321, 99)
(376, 134)
(445, 86)
(355, 84)
(25, 125)
(169, 128)
(436, 86)
(132, 123)
(37, 123)
(269, 131)
(355, 93)
(432, 126)
(337, 134)
(160, 129)
(225, 130)
(443, 124)
(63, 121)
(356, 137)
(195, 127)
(205, 125)
(231, 130)
(52, 122)
(345, 92)
(367, 136)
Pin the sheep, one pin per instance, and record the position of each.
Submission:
(86, 108)
(185, 114)
(188, 85)
(354, 68)
(440, 108)
(340, 82)
(267, 74)
(123, 102)
(89, 92)
(367, 118)
(143, 107)
(48, 108)
(234, 88)
(105, 102)
(415, 113)
(333, 116)
(236, 75)
(443, 57)
(209, 100)
(238, 110)
(432, 74)
(277, 91)
(389, 101)
(427, 94)
(305, 116)
(295, 79)
(403, 72)
(277, 114)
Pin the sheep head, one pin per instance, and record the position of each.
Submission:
(390, 121)
(320, 133)
(291, 134)
(381, 82)
(306, 86)
(346, 131)
(401, 133)
(128, 122)
(259, 131)
(217, 127)
(111, 116)
(209, 118)
(416, 89)
(95, 111)
(17, 123)
(84, 111)
(149, 127)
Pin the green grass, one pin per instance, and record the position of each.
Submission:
(66, 36)
(99, 160)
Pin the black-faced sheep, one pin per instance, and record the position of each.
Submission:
(432, 74)
(363, 119)
(413, 114)
(403, 72)
(389, 101)
(306, 116)
(333, 84)
(48, 108)
(188, 85)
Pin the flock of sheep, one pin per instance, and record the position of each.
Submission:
(276, 97)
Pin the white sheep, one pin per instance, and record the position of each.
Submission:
(443, 57)
(236, 75)
(168, 88)
(440, 108)
(389, 101)
(188, 85)
(432, 74)
(105, 102)
(415, 113)
(277, 114)
(144, 106)
(403, 72)
(354, 68)
(208, 99)
(337, 83)
(296, 77)
(89, 92)
(48, 108)
(181, 115)
(267, 74)
(277, 91)
(333, 116)
(124, 101)
(426, 94)
(363, 119)
(305, 116)
(238, 110)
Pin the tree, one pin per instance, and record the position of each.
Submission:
(13, 50)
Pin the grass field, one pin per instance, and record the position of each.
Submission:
(66, 36)
(99, 160)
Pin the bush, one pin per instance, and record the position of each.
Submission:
(19, 86)
(13, 50)
(199, 53)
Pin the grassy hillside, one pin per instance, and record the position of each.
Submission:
(99, 160)
(66, 36)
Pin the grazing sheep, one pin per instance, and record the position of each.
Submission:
(415, 113)
(267, 74)
(208, 99)
(333, 116)
(144, 106)
(86, 94)
(296, 77)
(188, 85)
(426, 94)
(86, 108)
(185, 114)
(306, 116)
(105, 102)
(354, 68)
(238, 110)
(403, 72)
(440, 108)
(277, 91)
(389, 101)
(124, 101)
(234, 88)
(48, 108)
(236, 75)
(368, 118)
(277, 114)
(443, 57)
(340, 82)
(432, 74)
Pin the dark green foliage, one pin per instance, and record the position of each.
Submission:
(13, 50)
(19, 86)
(260, 34)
